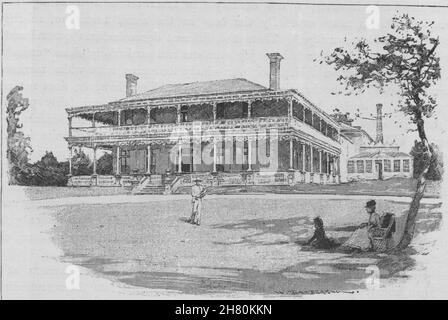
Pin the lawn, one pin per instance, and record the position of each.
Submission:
(391, 187)
(245, 244)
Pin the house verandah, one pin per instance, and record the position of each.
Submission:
(220, 161)
(256, 137)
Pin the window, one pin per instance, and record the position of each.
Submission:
(323, 127)
(316, 122)
(387, 167)
(369, 166)
(297, 110)
(396, 165)
(351, 167)
(360, 166)
(405, 165)
(308, 117)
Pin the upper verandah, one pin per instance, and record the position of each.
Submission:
(201, 92)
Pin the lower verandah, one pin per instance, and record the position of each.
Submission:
(236, 156)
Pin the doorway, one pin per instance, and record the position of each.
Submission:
(379, 169)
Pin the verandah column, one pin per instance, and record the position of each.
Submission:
(320, 161)
(118, 169)
(291, 155)
(290, 107)
(94, 159)
(214, 111)
(118, 117)
(148, 114)
(70, 118)
(215, 155)
(70, 166)
(312, 158)
(148, 158)
(179, 113)
(179, 157)
(249, 154)
(303, 157)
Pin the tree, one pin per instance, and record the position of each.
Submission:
(105, 164)
(404, 59)
(435, 171)
(19, 146)
(340, 116)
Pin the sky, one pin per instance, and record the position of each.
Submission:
(178, 43)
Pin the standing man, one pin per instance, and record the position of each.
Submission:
(197, 193)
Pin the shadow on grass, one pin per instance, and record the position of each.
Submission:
(315, 271)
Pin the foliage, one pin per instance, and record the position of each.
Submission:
(49, 172)
(18, 145)
(105, 164)
(340, 116)
(81, 164)
(435, 171)
(405, 58)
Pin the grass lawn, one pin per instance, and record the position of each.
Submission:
(39, 193)
(390, 187)
(244, 245)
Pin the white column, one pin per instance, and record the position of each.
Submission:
(93, 120)
(179, 160)
(303, 157)
(70, 126)
(320, 161)
(215, 155)
(291, 155)
(312, 158)
(148, 110)
(290, 108)
(214, 111)
(94, 160)
(178, 113)
(249, 108)
(249, 154)
(148, 159)
(118, 169)
(70, 168)
(119, 117)
(328, 163)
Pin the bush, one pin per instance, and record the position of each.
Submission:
(49, 172)
(105, 164)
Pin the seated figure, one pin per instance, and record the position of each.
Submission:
(361, 240)
(319, 240)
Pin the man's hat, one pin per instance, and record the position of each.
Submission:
(370, 203)
(197, 179)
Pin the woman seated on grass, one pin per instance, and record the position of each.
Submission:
(319, 240)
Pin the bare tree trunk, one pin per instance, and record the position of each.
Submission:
(411, 218)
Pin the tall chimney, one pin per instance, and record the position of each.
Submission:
(274, 76)
(131, 85)
(379, 123)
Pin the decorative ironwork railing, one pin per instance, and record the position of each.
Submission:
(183, 127)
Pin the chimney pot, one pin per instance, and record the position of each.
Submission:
(274, 76)
(131, 85)
(379, 123)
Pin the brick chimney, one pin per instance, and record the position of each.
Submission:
(379, 123)
(131, 85)
(274, 76)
